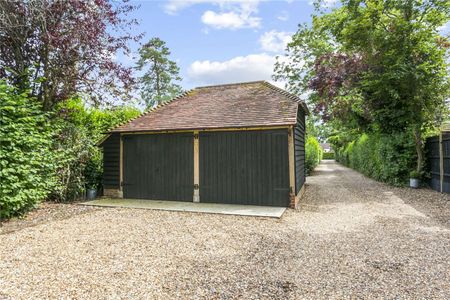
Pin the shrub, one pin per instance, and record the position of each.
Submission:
(27, 162)
(328, 155)
(386, 158)
(49, 158)
(73, 145)
(80, 166)
(313, 153)
(414, 174)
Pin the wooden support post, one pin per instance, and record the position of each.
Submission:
(120, 194)
(196, 197)
(441, 162)
(291, 154)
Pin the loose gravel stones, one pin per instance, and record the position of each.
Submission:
(351, 238)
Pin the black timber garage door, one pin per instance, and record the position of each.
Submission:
(158, 166)
(244, 167)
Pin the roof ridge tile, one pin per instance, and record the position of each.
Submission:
(229, 84)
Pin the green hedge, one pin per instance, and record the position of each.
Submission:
(387, 158)
(328, 155)
(81, 128)
(27, 160)
(313, 154)
(49, 156)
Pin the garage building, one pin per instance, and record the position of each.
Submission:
(235, 143)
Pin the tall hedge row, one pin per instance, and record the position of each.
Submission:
(313, 153)
(49, 155)
(328, 155)
(387, 158)
(27, 162)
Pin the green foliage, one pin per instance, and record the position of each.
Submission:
(27, 161)
(73, 145)
(81, 128)
(317, 128)
(313, 153)
(377, 67)
(49, 157)
(386, 158)
(65, 48)
(158, 82)
(328, 155)
(414, 174)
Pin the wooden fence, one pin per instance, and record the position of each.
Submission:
(438, 158)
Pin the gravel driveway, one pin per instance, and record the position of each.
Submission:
(352, 237)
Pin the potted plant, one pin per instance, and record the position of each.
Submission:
(414, 179)
(91, 192)
(93, 177)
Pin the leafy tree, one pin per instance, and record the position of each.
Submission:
(317, 128)
(64, 48)
(374, 66)
(27, 162)
(158, 84)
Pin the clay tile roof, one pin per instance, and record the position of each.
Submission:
(247, 104)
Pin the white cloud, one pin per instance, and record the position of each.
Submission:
(238, 69)
(230, 20)
(232, 14)
(238, 15)
(275, 41)
(174, 6)
(283, 16)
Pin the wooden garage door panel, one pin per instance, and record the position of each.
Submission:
(244, 167)
(158, 166)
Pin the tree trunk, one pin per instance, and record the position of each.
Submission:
(158, 88)
(419, 149)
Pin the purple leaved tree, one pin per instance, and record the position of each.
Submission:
(58, 49)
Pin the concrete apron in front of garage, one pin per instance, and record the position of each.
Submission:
(212, 208)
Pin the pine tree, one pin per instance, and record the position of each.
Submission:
(159, 81)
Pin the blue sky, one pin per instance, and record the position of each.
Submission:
(221, 41)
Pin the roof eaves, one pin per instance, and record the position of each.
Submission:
(288, 95)
(445, 127)
(206, 128)
(102, 140)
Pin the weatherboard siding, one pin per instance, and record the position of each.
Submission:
(111, 162)
(299, 149)
(245, 167)
(437, 160)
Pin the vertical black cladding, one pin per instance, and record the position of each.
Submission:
(158, 166)
(111, 162)
(236, 167)
(245, 167)
(434, 162)
(299, 150)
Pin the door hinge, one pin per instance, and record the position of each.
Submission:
(196, 136)
(121, 183)
(196, 187)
